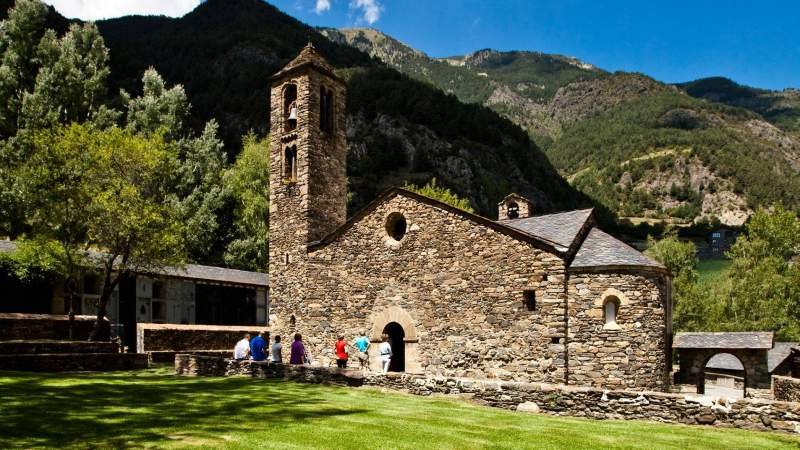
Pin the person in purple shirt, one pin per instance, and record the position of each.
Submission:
(298, 351)
(257, 346)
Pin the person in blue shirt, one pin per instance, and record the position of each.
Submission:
(362, 344)
(257, 346)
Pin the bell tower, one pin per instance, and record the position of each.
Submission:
(308, 183)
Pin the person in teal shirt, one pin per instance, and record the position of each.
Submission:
(362, 344)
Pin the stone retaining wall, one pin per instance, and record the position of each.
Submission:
(154, 337)
(17, 326)
(786, 388)
(561, 400)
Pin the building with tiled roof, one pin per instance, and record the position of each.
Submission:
(528, 297)
(187, 294)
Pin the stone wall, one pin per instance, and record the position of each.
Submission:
(560, 400)
(786, 388)
(632, 354)
(455, 286)
(153, 337)
(15, 326)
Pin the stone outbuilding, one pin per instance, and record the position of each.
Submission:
(754, 355)
(548, 298)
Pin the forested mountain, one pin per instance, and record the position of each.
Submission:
(400, 130)
(709, 149)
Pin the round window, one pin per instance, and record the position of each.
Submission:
(396, 226)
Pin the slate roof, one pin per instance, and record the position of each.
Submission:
(195, 272)
(561, 228)
(779, 353)
(731, 340)
(307, 56)
(775, 357)
(600, 249)
(724, 361)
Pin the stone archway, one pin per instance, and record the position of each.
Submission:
(723, 374)
(397, 322)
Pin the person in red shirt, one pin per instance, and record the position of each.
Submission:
(341, 353)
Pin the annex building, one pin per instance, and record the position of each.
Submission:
(548, 298)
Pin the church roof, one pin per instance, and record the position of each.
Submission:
(562, 228)
(600, 249)
(536, 241)
(309, 56)
(724, 340)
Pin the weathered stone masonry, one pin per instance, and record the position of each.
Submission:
(456, 281)
(522, 299)
(560, 400)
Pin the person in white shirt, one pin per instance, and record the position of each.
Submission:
(276, 351)
(242, 349)
(385, 351)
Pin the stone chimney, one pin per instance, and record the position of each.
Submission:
(514, 206)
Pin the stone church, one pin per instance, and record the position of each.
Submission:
(548, 298)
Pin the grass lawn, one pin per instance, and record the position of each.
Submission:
(712, 271)
(154, 408)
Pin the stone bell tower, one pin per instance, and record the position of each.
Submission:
(308, 184)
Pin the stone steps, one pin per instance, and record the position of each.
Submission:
(74, 362)
(55, 347)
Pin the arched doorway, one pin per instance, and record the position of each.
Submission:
(723, 375)
(397, 340)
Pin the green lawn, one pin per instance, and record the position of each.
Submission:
(154, 408)
(712, 271)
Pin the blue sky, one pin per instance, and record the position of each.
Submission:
(753, 42)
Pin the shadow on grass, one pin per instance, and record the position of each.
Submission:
(132, 409)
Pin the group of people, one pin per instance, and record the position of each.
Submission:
(361, 344)
(256, 350)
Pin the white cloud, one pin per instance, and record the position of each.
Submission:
(370, 10)
(105, 9)
(322, 6)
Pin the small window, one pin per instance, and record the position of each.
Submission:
(326, 109)
(610, 313)
(529, 299)
(512, 210)
(290, 164)
(158, 289)
(159, 312)
(292, 321)
(91, 284)
(396, 226)
(555, 340)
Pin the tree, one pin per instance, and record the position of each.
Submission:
(116, 202)
(765, 277)
(247, 184)
(691, 303)
(20, 34)
(198, 192)
(444, 195)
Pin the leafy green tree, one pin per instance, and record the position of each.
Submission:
(158, 108)
(198, 193)
(20, 34)
(115, 199)
(247, 182)
(765, 277)
(691, 305)
(71, 83)
(444, 195)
